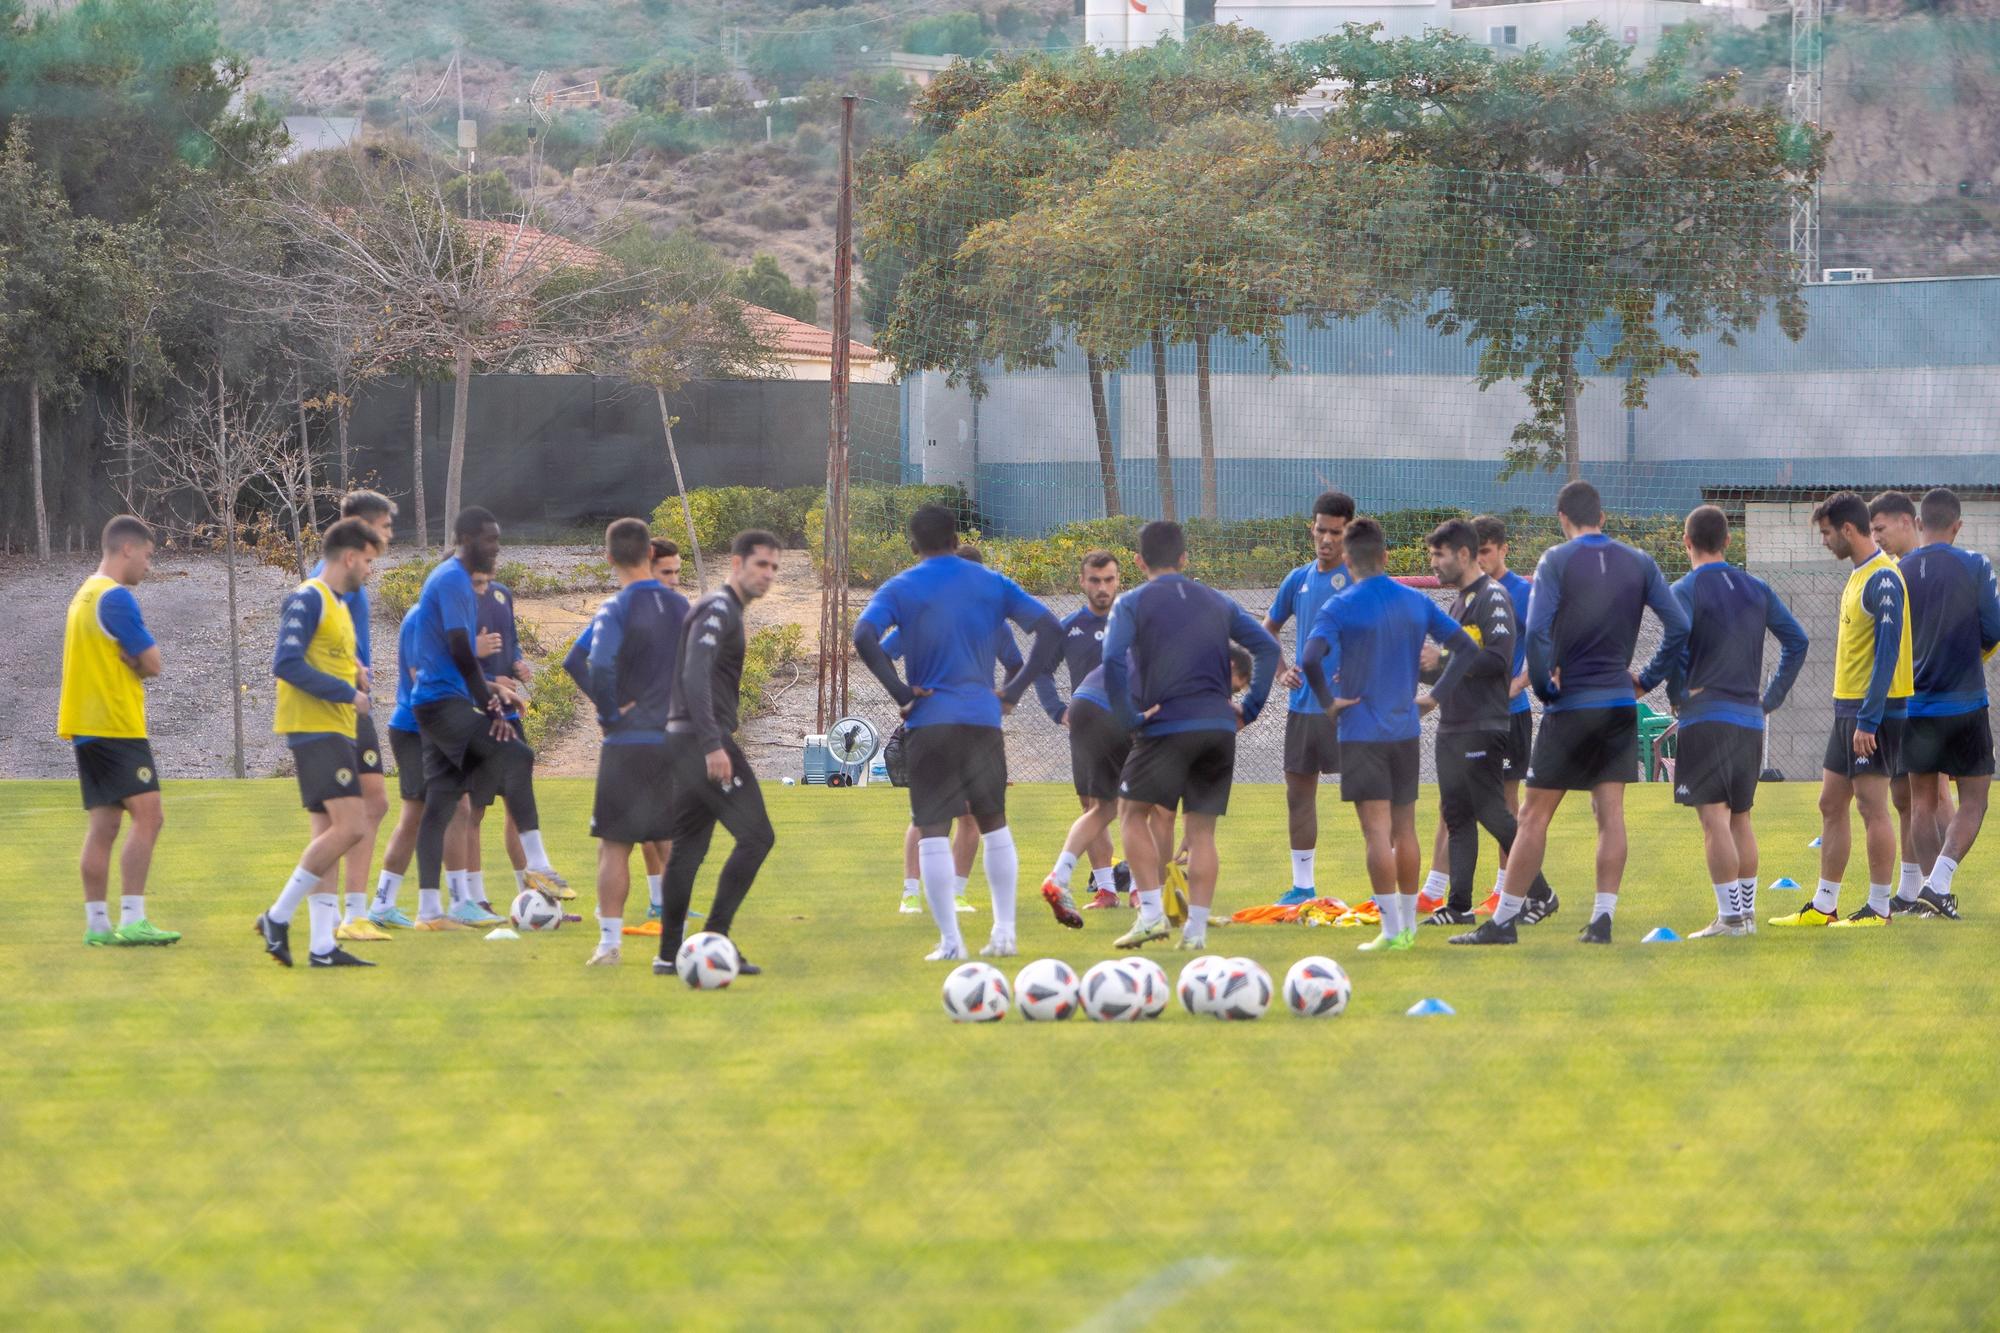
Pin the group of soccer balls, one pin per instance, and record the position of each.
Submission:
(706, 960)
(1129, 990)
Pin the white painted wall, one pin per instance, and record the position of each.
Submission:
(1780, 537)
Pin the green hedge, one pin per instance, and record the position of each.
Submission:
(554, 701)
(720, 512)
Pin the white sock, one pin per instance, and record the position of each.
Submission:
(131, 908)
(454, 880)
(475, 886)
(1941, 874)
(1152, 904)
(323, 910)
(656, 892)
(1827, 896)
(357, 907)
(1912, 881)
(940, 888)
(1302, 868)
(1878, 897)
(296, 888)
(531, 843)
(429, 908)
(1391, 907)
(959, 883)
(1104, 879)
(386, 890)
(1746, 897)
(1510, 907)
(1406, 911)
(1003, 870)
(520, 881)
(97, 917)
(1499, 879)
(610, 933)
(1197, 923)
(1436, 884)
(1065, 866)
(912, 887)
(1604, 904)
(1725, 899)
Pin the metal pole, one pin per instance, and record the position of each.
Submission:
(833, 662)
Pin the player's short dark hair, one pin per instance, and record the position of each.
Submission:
(1491, 530)
(1893, 502)
(366, 504)
(1454, 532)
(1162, 543)
(471, 521)
(664, 547)
(1241, 662)
(349, 534)
(751, 540)
(1334, 504)
(628, 543)
(967, 551)
(1707, 529)
(1843, 509)
(1097, 559)
(1367, 546)
(933, 530)
(1940, 509)
(122, 531)
(1580, 503)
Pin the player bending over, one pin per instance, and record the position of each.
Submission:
(1370, 639)
(1172, 692)
(948, 613)
(1583, 623)
(1096, 752)
(1716, 685)
(108, 655)
(322, 689)
(713, 781)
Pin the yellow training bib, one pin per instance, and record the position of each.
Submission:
(1854, 651)
(331, 650)
(101, 694)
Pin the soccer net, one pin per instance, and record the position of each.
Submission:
(1218, 336)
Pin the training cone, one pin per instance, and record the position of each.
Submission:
(1660, 935)
(1425, 1008)
(502, 933)
(1813, 844)
(1785, 884)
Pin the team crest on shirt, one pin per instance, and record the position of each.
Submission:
(371, 758)
(144, 774)
(343, 776)
(499, 597)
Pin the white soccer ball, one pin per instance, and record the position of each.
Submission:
(1243, 990)
(1317, 987)
(706, 961)
(535, 910)
(1047, 990)
(976, 993)
(1200, 983)
(1111, 993)
(1150, 980)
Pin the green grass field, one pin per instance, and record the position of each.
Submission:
(1798, 1131)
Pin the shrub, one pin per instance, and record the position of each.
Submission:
(396, 590)
(769, 649)
(555, 703)
(720, 512)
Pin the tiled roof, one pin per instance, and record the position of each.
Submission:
(525, 247)
(786, 336)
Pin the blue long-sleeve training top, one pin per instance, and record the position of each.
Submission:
(949, 613)
(1583, 621)
(634, 657)
(1005, 651)
(448, 607)
(1177, 633)
(1371, 638)
(357, 607)
(496, 615)
(1719, 674)
(1299, 597)
(1954, 627)
(1519, 590)
(1082, 650)
(405, 716)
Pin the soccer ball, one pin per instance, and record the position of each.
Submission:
(1243, 989)
(706, 961)
(535, 910)
(1111, 992)
(1317, 987)
(1149, 979)
(976, 993)
(1047, 989)
(1200, 984)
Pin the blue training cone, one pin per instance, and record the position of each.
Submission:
(1812, 845)
(1785, 884)
(1425, 1008)
(1660, 935)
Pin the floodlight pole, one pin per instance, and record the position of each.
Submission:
(833, 623)
(1802, 106)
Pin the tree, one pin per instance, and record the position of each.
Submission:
(1570, 187)
(765, 284)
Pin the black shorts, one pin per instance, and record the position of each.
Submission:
(115, 769)
(1717, 763)
(1191, 770)
(635, 793)
(1519, 747)
(460, 758)
(1380, 771)
(1312, 746)
(1098, 748)
(1960, 746)
(367, 745)
(328, 770)
(1575, 751)
(955, 769)
(1887, 761)
(408, 749)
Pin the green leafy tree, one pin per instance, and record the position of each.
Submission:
(764, 283)
(960, 34)
(1572, 189)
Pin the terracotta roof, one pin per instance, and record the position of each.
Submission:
(528, 247)
(786, 336)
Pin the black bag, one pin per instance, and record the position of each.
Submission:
(895, 760)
